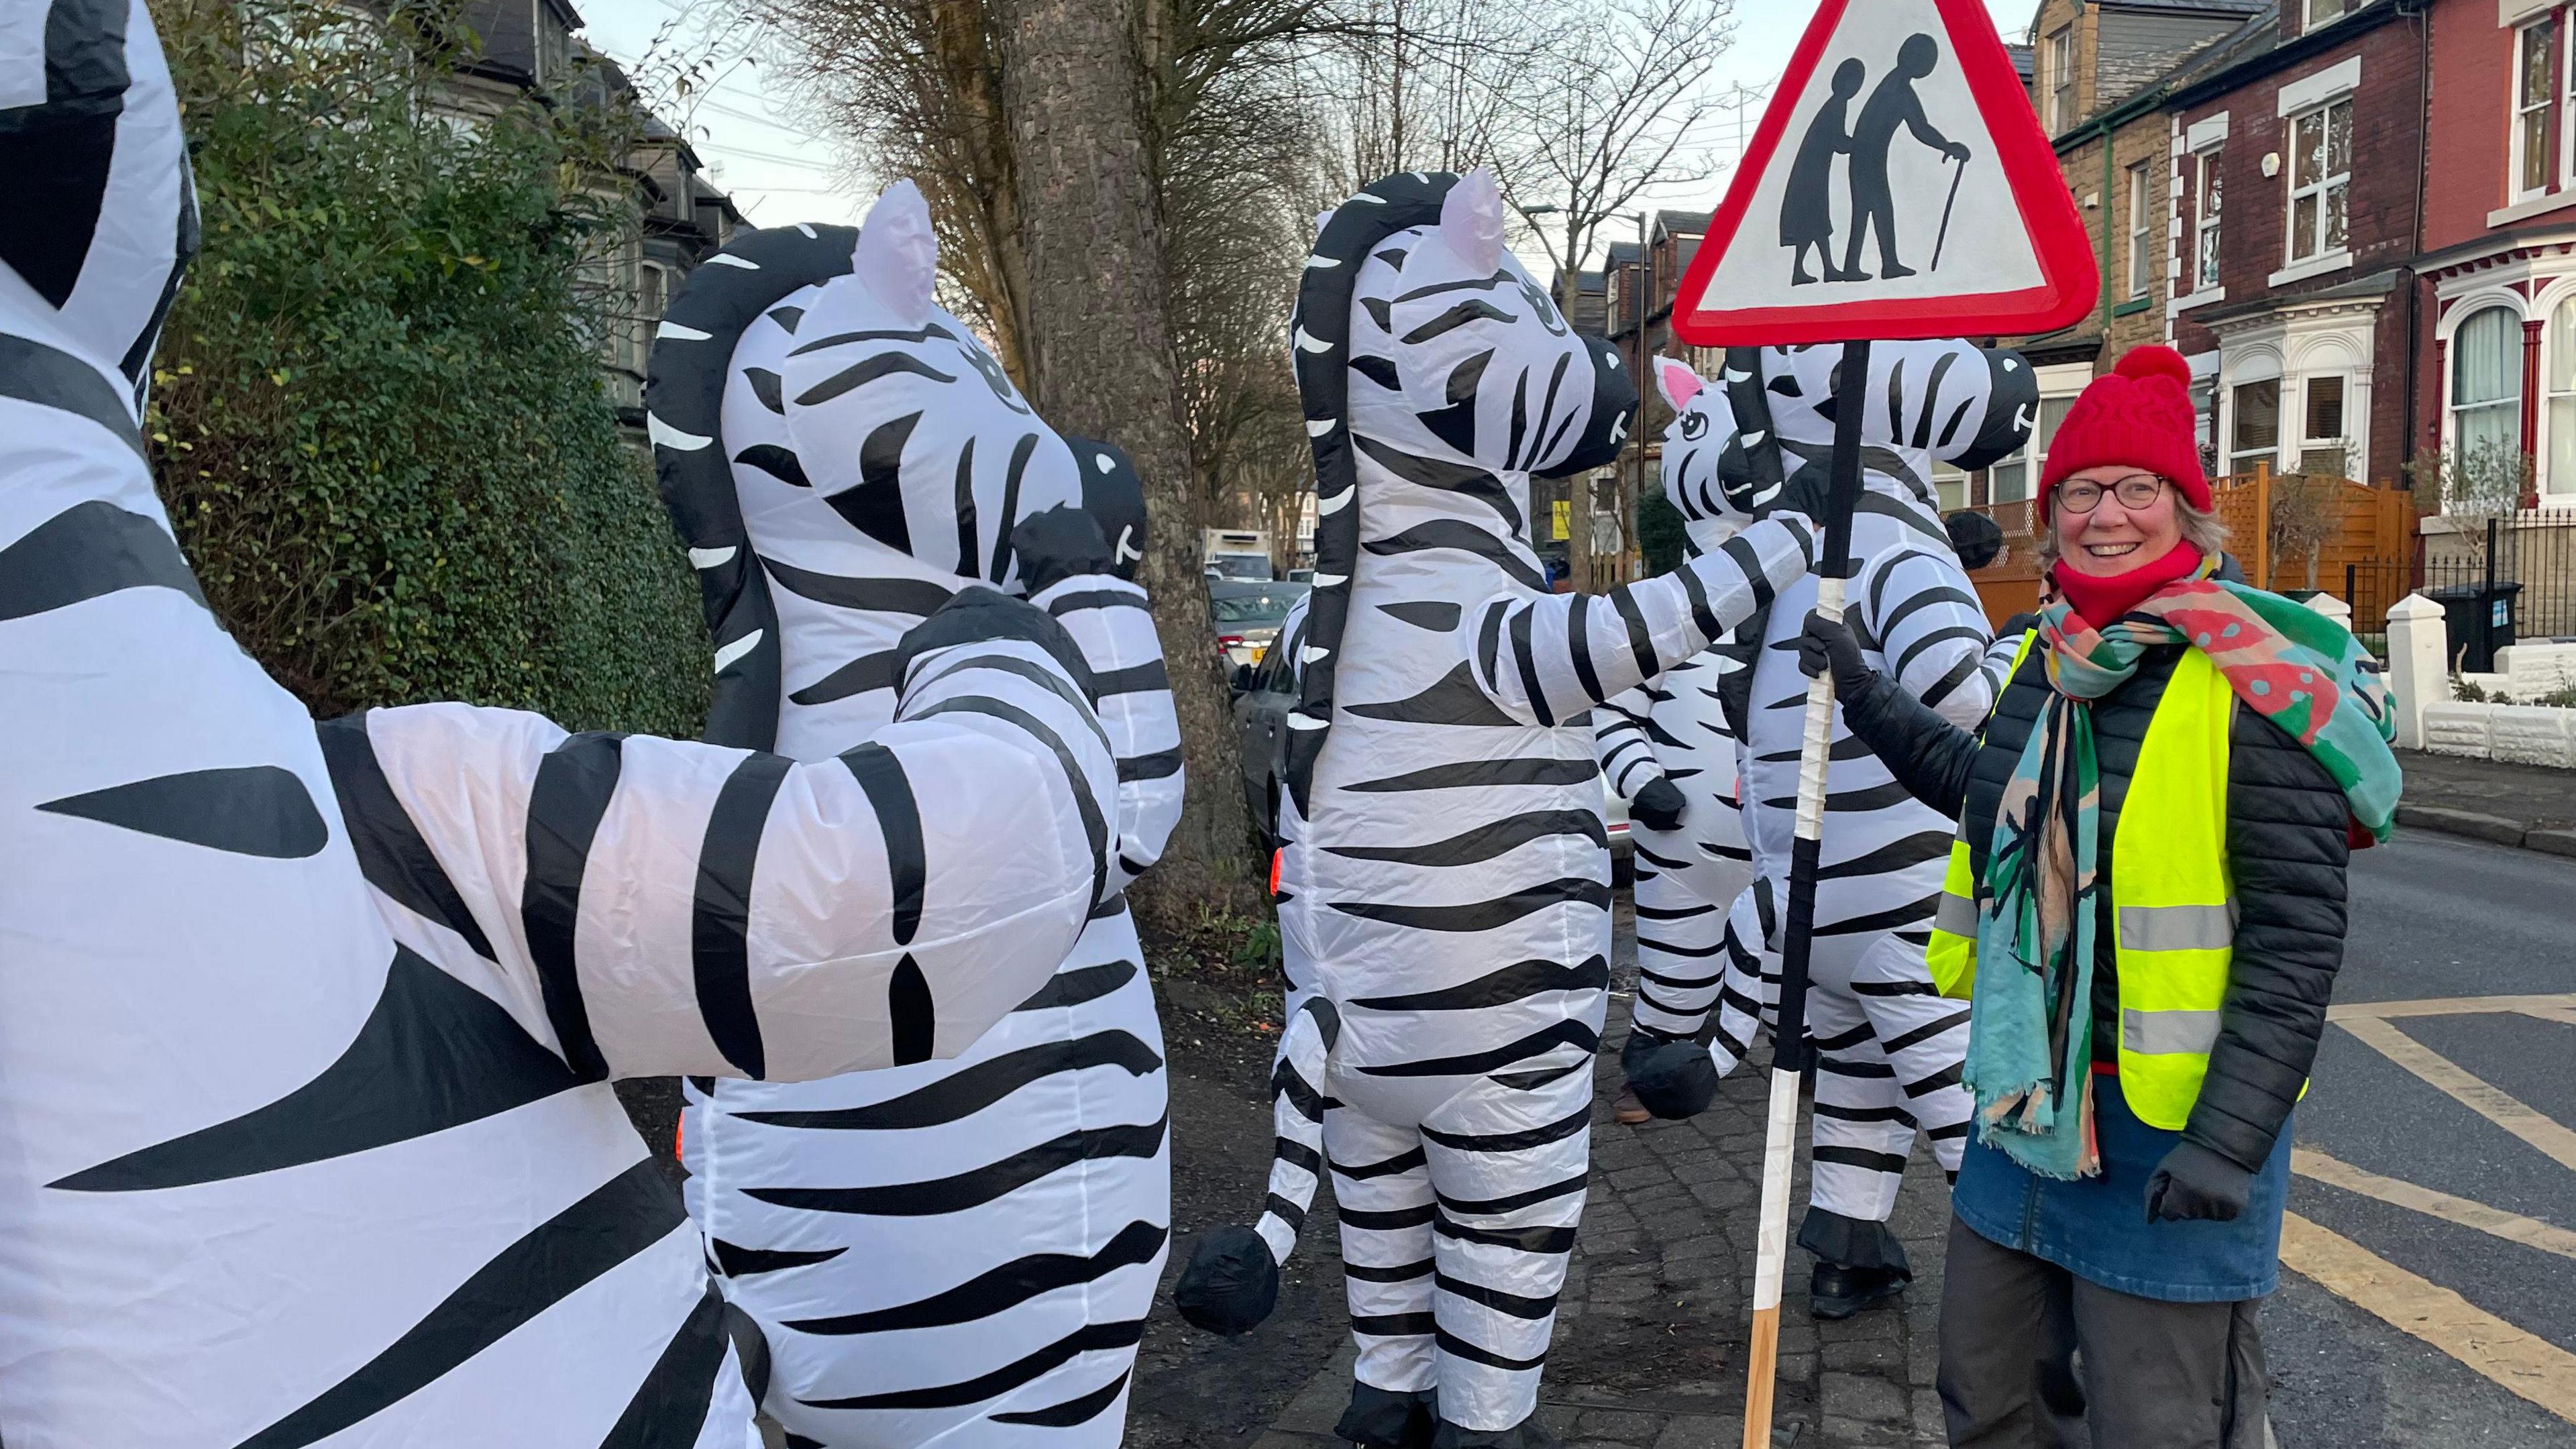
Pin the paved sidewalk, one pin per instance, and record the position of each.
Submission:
(2521, 805)
(1651, 1338)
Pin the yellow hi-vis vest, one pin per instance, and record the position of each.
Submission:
(2170, 895)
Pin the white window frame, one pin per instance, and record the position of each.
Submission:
(2142, 180)
(2230, 460)
(2323, 187)
(2449, 335)
(2344, 439)
(2310, 20)
(2207, 220)
(2519, 106)
(2559, 331)
(2058, 56)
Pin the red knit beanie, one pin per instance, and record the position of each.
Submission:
(2139, 417)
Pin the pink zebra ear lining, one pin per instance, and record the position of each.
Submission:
(1674, 378)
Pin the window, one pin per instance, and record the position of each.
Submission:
(2061, 79)
(2535, 107)
(2320, 178)
(1951, 486)
(2141, 228)
(2206, 187)
(2322, 11)
(2255, 435)
(2324, 451)
(2486, 385)
(2561, 477)
(2010, 481)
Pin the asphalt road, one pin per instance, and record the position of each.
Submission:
(2434, 919)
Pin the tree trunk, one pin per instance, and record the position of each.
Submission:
(1099, 352)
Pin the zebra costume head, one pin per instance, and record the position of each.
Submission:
(102, 214)
(1708, 473)
(821, 425)
(1923, 402)
(1421, 342)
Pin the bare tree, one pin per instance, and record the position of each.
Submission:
(1619, 101)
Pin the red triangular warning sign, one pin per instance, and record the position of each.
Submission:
(1898, 186)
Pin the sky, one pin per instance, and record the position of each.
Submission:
(780, 173)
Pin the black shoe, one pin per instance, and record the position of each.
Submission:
(1837, 1292)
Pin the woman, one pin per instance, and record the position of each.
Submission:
(2146, 909)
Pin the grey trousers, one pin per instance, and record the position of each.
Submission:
(2034, 1357)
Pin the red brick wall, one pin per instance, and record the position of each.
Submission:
(2473, 81)
(2387, 114)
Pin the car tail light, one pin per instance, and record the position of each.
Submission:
(1228, 641)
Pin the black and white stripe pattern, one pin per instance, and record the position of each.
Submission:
(307, 1034)
(1444, 881)
(1889, 1049)
(959, 1251)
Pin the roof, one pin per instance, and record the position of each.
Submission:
(2025, 61)
(1683, 223)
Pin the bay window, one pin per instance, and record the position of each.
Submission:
(2323, 448)
(2254, 435)
(2486, 386)
(2561, 475)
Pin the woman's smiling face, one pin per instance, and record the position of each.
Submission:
(2114, 538)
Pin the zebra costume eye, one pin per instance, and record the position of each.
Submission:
(1694, 426)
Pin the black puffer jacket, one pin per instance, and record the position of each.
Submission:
(2287, 851)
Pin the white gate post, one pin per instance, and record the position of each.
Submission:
(2418, 664)
(2333, 608)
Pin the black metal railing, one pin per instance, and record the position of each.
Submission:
(2534, 548)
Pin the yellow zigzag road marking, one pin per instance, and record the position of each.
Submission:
(2531, 1367)
(2489, 1102)
(2512, 1227)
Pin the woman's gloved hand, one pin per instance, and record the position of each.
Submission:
(1828, 645)
(1658, 804)
(2194, 1183)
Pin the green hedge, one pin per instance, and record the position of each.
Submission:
(378, 409)
(1662, 534)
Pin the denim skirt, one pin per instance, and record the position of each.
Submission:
(2097, 1228)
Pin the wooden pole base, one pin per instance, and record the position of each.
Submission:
(1758, 1386)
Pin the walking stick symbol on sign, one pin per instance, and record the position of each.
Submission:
(1896, 119)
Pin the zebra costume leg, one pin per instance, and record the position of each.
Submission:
(1382, 1182)
(1924, 1036)
(1749, 997)
(1680, 954)
(1486, 1148)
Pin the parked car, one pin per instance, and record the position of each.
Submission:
(1264, 692)
(1247, 614)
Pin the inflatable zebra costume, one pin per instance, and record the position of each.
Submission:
(1444, 883)
(1676, 729)
(1889, 1050)
(306, 1037)
(956, 1253)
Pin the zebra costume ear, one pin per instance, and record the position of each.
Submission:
(1471, 221)
(897, 255)
(1321, 335)
(684, 389)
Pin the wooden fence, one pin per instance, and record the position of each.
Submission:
(2372, 529)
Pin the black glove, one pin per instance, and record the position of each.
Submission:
(1658, 804)
(2194, 1183)
(974, 614)
(1062, 543)
(1828, 644)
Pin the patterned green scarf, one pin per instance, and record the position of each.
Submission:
(2030, 1047)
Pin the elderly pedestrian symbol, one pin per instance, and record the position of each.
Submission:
(1806, 208)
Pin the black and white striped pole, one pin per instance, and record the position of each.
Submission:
(1789, 1035)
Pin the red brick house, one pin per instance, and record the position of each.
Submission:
(2299, 161)
(2498, 269)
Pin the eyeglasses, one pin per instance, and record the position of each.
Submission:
(2083, 495)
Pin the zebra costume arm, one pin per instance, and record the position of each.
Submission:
(661, 907)
(1545, 658)
(1114, 625)
(1931, 634)
(1620, 741)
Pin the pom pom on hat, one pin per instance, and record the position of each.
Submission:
(2138, 417)
(2154, 361)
